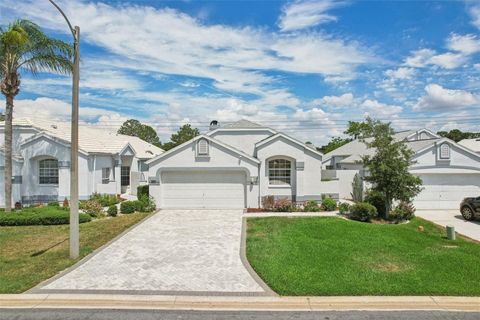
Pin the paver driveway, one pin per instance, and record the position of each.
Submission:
(173, 251)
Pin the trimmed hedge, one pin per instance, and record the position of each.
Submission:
(329, 204)
(39, 216)
(143, 191)
(130, 206)
(112, 211)
(362, 211)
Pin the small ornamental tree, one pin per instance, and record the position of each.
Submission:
(388, 167)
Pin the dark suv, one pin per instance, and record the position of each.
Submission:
(470, 208)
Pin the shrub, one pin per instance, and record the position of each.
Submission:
(377, 199)
(329, 204)
(92, 208)
(362, 211)
(127, 207)
(404, 211)
(39, 216)
(105, 200)
(311, 206)
(53, 204)
(357, 188)
(18, 205)
(283, 205)
(143, 191)
(112, 211)
(344, 208)
(147, 204)
(268, 202)
(65, 203)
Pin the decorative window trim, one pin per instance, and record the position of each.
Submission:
(48, 172)
(444, 151)
(106, 175)
(279, 172)
(203, 148)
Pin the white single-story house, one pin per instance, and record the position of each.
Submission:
(235, 166)
(108, 163)
(449, 170)
(472, 144)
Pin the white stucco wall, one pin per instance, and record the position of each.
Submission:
(44, 148)
(305, 183)
(220, 158)
(242, 140)
(460, 160)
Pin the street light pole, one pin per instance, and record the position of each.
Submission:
(74, 219)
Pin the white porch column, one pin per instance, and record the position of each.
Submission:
(117, 174)
(63, 180)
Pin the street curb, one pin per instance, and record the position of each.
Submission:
(216, 303)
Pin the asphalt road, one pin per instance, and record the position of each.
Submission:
(101, 314)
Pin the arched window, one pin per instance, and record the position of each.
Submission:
(444, 151)
(202, 147)
(279, 172)
(48, 171)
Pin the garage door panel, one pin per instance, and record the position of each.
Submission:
(204, 189)
(446, 191)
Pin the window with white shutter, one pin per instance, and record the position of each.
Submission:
(445, 151)
(202, 147)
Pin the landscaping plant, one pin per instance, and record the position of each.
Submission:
(376, 199)
(329, 204)
(92, 208)
(105, 200)
(403, 211)
(362, 211)
(112, 211)
(268, 202)
(344, 208)
(357, 188)
(311, 206)
(283, 205)
(48, 215)
(388, 167)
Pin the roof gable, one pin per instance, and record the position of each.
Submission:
(46, 136)
(210, 139)
(284, 136)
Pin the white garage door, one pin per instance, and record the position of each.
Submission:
(203, 189)
(446, 191)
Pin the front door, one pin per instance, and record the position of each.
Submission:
(125, 176)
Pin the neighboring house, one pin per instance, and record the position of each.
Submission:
(449, 170)
(108, 163)
(235, 166)
(472, 144)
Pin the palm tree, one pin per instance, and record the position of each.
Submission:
(24, 47)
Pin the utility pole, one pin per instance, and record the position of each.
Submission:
(74, 218)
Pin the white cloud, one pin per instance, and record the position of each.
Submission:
(303, 14)
(475, 14)
(419, 58)
(55, 109)
(344, 100)
(167, 41)
(424, 57)
(401, 73)
(439, 98)
(466, 44)
(378, 110)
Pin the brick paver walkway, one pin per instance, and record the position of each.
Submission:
(173, 251)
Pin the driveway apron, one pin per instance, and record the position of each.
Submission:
(173, 252)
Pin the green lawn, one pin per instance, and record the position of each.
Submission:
(31, 254)
(331, 256)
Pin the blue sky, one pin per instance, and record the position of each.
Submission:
(304, 67)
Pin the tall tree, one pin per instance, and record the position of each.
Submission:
(185, 133)
(24, 47)
(134, 128)
(356, 129)
(458, 135)
(334, 143)
(388, 167)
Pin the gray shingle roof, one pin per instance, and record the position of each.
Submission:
(243, 124)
